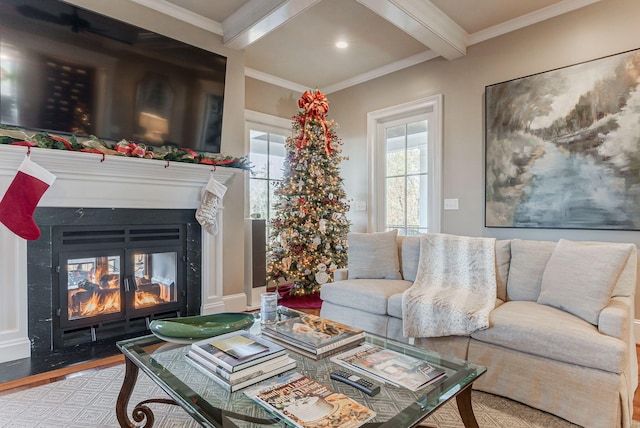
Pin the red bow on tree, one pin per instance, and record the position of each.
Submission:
(316, 106)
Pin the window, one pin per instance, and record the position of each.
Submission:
(267, 137)
(406, 158)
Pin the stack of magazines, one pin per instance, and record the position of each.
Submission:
(305, 403)
(389, 366)
(238, 359)
(313, 336)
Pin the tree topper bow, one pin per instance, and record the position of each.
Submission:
(316, 106)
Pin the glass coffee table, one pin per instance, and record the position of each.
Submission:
(212, 406)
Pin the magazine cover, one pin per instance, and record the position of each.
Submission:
(394, 367)
(315, 332)
(239, 346)
(308, 404)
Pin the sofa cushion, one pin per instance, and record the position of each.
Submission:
(626, 285)
(368, 295)
(394, 305)
(580, 277)
(409, 256)
(528, 260)
(373, 255)
(551, 333)
(503, 259)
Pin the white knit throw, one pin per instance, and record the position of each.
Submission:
(455, 287)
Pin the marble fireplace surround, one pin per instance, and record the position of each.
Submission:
(84, 180)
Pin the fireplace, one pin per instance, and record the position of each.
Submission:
(148, 192)
(108, 273)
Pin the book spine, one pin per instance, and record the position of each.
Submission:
(209, 373)
(295, 348)
(205, 354)
(213, 367)
(357, 338)
(273, 334)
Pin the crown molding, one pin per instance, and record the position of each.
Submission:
(382, 71)
(170, 9)
(268, 78)
(529, 19)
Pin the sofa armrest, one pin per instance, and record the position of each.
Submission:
(614, 319)
(340, 274)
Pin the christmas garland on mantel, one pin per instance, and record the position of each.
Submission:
(18, 137)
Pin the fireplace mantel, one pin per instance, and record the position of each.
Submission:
(90, 181)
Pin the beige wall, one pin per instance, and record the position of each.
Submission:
(601, 29)
(233, 120)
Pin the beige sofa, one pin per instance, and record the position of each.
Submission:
(536, 350)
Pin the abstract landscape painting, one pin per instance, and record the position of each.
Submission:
(563, 147)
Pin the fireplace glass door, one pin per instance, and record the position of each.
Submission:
(153, 281)
(93, 286)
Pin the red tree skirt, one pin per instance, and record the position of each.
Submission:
(308, 301)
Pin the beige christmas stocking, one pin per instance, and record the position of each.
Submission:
(207, 212)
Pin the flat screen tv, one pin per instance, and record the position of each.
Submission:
(68, 70)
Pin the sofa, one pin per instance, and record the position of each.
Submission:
(541, 348)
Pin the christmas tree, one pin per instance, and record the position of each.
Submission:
(308, 237)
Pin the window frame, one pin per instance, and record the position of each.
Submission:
(431, 109)
(265, 123)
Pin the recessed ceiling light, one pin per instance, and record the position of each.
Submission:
(342, 45)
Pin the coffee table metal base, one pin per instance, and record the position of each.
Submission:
(141, 412)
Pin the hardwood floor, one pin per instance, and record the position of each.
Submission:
(79, 369)
(59, 374)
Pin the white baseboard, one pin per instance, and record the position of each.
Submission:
(235, 302)
(254, 297)
(15, 350)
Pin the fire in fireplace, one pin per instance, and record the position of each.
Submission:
(93, 284)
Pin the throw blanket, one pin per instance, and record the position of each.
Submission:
(455, 287)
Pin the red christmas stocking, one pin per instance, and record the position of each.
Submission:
(22, 197)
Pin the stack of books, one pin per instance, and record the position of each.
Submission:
(238, 359)
(305, 403)
(389, 366)
(313, 336)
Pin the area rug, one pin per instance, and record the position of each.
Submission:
(88, 400)
(308, 301)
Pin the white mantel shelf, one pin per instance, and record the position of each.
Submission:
(84, 180)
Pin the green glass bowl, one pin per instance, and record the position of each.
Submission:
(185, 329)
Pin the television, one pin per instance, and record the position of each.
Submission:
(67, 70)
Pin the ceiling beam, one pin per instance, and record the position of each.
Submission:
(426, 23)
(257, 18)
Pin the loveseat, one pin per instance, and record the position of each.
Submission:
(538, 349)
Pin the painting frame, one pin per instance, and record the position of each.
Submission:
(562, 147)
